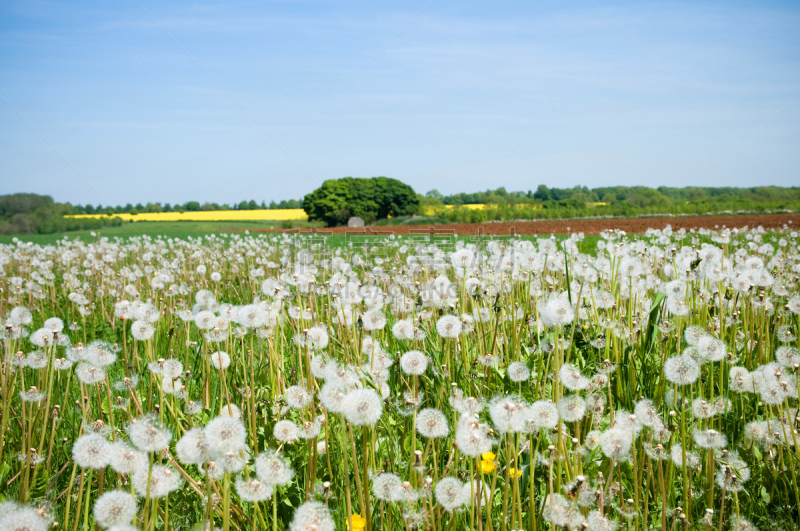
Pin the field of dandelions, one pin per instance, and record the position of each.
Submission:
(270, 382)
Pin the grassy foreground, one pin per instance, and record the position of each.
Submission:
(267, 382)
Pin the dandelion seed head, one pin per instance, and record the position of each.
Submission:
(432, 423)
(681, 370)
(273, 469)
(23, 518)
(226, 434)
(544, 415)
(220, 360)
(148, 434)
(571, 408)
(253, 490)
(449, 326)
(285, 431)
(91, 451)
(362, 407)
(385, 486)
(449, 493)
(518, 372)
(142, 331)
(115, 508)
(312, 515)
(413, 362)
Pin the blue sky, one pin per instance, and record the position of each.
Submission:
(133, 101)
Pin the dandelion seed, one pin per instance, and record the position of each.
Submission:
(115, 508)
(413, 362)
(312, 515)
(681, 370)
(449, 493)
(142, 331)
(571, 408)
(285, 431)
(253, 490)
(615, 443)
(432, 424)
(225, 434)
(273, 469)
(518, 372)
(572, 379)
(91, 451)
(449, 326)
(362, 407)
(220, 360)
(148, 434)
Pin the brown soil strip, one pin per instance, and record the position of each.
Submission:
(586, 226)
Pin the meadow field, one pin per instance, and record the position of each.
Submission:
(291, 381)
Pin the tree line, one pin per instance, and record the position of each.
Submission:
(189, 206)
(39, 214)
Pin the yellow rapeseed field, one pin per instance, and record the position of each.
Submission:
(210, 215)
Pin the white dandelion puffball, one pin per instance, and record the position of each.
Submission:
(273, 469)
(362, 407)
(312, 515)
(286, 431)
(193, 448)
(449, 493)
(253, 490)
(544, 415)
(557, 312)
(432, 423)
(681, 370)
(226, 434)
(141, 330)
(413, 362)
(518, 372)
(220, 360)
(298, 397)
(386, 485)
(22, 518)
(163, 480)
(373, 320)
(449, 326)
(114, 508)
(21, 316)
(148, 434)
(91, 451)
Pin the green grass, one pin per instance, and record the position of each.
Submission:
(171, 229)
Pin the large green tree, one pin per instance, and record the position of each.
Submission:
(370, 199)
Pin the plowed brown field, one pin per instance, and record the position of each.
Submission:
(586, 226)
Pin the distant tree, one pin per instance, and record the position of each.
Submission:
(192, 206)
(370, 199)
(542, 192)
(434, 194)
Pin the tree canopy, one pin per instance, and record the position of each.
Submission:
(39, 214)
(368, 198)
